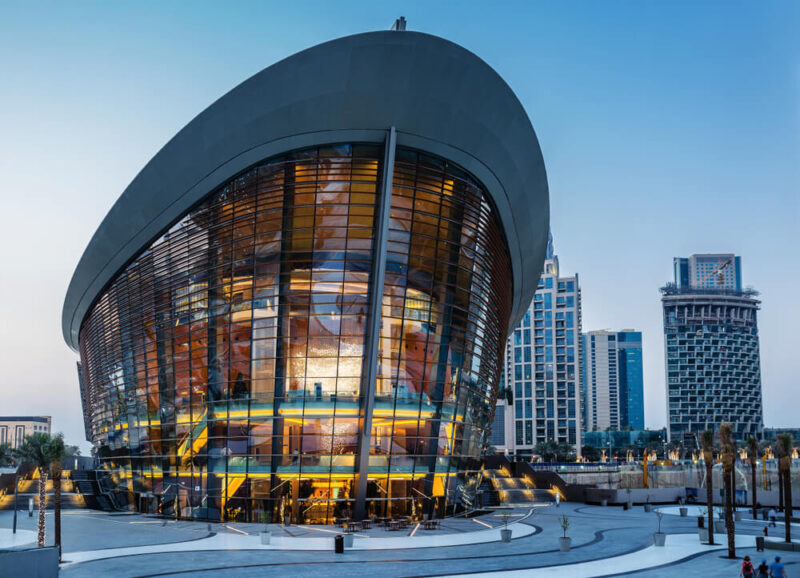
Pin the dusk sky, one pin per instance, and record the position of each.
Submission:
(667, 129)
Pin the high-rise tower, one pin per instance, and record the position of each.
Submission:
(612, 380)
(542, 364)
(711, 348)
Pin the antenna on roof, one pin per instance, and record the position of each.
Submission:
(399, 24)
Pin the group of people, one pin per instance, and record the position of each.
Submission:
(764, 570)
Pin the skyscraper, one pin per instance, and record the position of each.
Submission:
(631, 379)
(543, 363)
(612, 380)
(711, 348)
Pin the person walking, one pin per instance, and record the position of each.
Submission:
(773, 517)
(763, 569)
(747, 570)
(776, 569)
(558, 499)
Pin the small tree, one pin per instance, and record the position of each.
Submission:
(35, 449)
(591, 453)
(728, 456)
(753, 450)
(6, 455)
(785, 442)
(563, 521)
(707, 441)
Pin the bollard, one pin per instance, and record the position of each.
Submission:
(338, 544)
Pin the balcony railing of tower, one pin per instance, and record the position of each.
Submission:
(672, 289)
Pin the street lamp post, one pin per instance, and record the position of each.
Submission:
(16, 493)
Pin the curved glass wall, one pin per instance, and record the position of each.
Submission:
(224, 367)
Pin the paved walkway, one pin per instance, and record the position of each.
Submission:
(361, 541)
(606, 541)
(678, 547)
(9, 540)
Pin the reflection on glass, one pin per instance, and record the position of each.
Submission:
(224, 365)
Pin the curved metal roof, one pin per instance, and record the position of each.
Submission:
(439, 96)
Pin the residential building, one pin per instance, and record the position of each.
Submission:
(613, 382)
(709, 271)
(13, 429)
(502, 437)
(601, 395)
(771, 433)
(299, 307)
(617, 442)
(712, 352)
(542, 364)
(631, 379)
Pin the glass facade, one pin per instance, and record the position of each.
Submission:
(224, 368)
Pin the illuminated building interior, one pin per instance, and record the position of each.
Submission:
(225, 364)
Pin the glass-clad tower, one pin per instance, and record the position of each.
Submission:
(613, 384)
(302, 314)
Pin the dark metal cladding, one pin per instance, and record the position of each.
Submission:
(440, 97)
(299, 307)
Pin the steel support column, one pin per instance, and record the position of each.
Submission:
(370, 367)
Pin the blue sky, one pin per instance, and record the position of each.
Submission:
(667, 129)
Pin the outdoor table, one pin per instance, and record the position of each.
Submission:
(394, 525)
(366, 524)
(430, 524)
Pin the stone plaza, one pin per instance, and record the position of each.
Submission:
(606, 541)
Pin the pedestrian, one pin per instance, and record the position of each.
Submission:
(558, 499)
(763, 569)
(747, 570)
(773, 517)
(776, 569)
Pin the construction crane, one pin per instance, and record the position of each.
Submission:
(718, 272)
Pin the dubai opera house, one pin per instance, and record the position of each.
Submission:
(298, 308)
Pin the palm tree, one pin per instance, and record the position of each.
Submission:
(707, 441)
(728, 456)
(57, 452)
(785, 442)
(35, 449)
(752, 451)
(776, 450)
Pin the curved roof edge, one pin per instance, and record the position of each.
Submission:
(439, 96)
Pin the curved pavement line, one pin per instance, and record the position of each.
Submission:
(599, 536)
(678, 548)
(248, 542)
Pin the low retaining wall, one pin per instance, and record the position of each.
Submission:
(29, 562)
(637, 496)
(781, 545)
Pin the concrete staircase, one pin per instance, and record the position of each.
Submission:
(79, 489)
(29, 488)
(517, 490)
